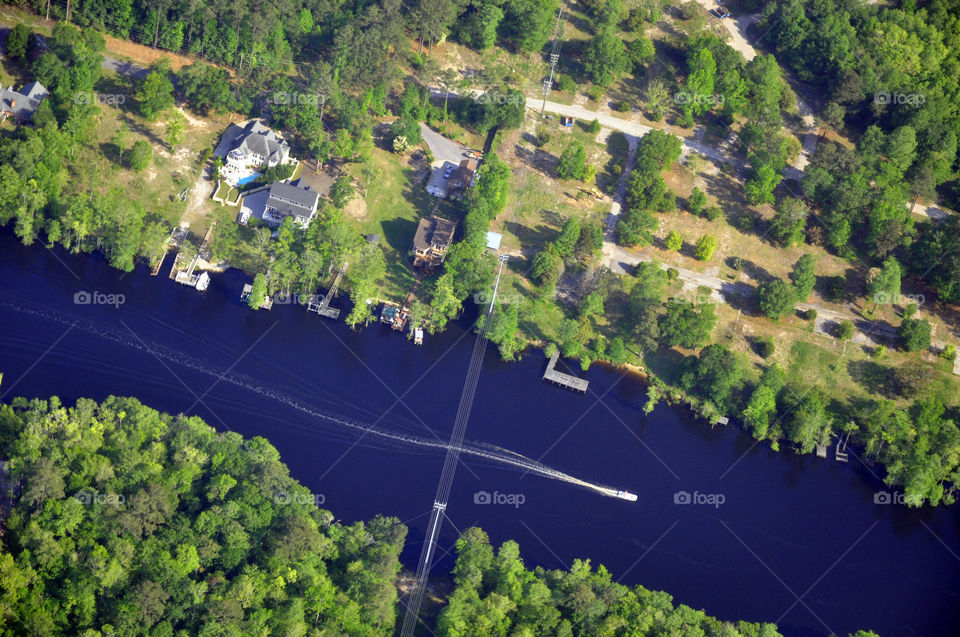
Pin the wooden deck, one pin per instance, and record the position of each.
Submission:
(567, 381)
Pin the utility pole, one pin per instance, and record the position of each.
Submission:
(554, 56)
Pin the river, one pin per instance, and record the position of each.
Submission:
(796, 540)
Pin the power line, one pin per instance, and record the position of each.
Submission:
(449, 468)
(554, 56)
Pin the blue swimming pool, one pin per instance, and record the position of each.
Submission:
(247, 180)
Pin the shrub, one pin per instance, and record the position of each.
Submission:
(746, 222)
(566, 84)
(949, 352)
(673, 274)
(674, 241)
(712, 213)
(621, 106)
(594, 126)
(845, 330)
(914, 334)
(705, 247)
(879, 351)
(596, 93)
(811, 314)
(766, 347)
(736, 263)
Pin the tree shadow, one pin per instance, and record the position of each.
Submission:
(528, 234)
(136, 127)
(874, 377)
(398, 233)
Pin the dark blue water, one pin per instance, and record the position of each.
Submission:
(790, 527)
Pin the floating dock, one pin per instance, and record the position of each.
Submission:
(567, 381)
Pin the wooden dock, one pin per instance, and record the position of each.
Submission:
(567, 381)
(323, 307)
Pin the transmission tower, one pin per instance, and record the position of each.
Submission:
(554, 56)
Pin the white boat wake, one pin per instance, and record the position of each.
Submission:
(482, 451)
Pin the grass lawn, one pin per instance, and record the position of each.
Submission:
(395, 202)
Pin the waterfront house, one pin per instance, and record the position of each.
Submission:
(286, 200)
(248, 149)
(272, 204)
(21, 105)
(434, 235)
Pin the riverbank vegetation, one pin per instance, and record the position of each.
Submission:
(123, 519)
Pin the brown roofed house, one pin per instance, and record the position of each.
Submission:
(461, 178)
(434, 235)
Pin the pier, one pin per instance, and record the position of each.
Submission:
(323, 307)
(567, 381)
(189, 277)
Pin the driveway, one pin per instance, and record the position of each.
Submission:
(446, 154)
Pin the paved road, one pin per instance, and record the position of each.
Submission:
(109, 63)
(737, 27)
(628, 127)
(446, 154)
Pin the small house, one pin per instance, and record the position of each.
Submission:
(462, 177)
(432, 239)
(22, 104)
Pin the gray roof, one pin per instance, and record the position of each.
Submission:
(253, 137)
(289, 200)
(22, 104)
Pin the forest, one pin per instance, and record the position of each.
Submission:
(889, 77)
(125, 520)
(121, 519)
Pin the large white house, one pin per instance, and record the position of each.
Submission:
(248, 149)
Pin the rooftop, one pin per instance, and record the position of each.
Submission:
(22, 104)
(434, 231)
